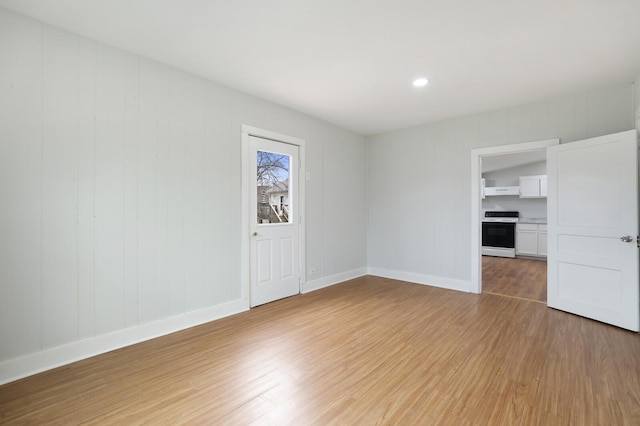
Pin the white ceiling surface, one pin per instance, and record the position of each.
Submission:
(351, 62)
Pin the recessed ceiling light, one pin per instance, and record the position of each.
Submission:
(420, 82)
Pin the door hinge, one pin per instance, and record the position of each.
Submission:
(638, 241)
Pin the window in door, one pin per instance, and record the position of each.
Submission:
(272, 180)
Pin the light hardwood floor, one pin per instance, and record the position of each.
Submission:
(522, 278)
(366, 351)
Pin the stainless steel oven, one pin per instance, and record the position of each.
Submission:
(499, 233)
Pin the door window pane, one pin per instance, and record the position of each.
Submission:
(273, 187)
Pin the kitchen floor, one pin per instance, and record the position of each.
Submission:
(521, 278)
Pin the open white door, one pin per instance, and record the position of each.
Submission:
(275, 256)
(593, 226)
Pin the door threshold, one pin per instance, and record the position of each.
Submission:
(514, 297)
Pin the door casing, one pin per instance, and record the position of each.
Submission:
(476, 199)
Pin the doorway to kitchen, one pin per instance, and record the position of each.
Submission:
(521, 275)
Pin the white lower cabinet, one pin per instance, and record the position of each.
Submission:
(531, 239)
(542, 240)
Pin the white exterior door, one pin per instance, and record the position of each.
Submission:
(593, 224)
(275, 256)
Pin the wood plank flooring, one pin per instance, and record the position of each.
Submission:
(522, 278)
(367, 351)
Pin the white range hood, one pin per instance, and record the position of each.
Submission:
(501, 190)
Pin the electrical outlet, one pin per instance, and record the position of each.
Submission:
(312, 271)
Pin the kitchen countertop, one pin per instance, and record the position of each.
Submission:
(542, 220)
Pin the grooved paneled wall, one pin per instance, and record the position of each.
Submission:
(120, 190)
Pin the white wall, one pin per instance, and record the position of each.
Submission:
(420, 183)
(636, 85)
(511, 175)
(528, 207)
(120, 195)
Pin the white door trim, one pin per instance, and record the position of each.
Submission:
(476, 199)
(248, 186)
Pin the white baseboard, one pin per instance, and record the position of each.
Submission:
(333, 279)
(442, 282)
(47, 359)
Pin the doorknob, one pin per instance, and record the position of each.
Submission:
(255, 234)
(626, 238)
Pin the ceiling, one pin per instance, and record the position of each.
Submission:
(491, 163)
(351, 62)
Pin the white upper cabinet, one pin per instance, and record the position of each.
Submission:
(533, 186)
(543, 186)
